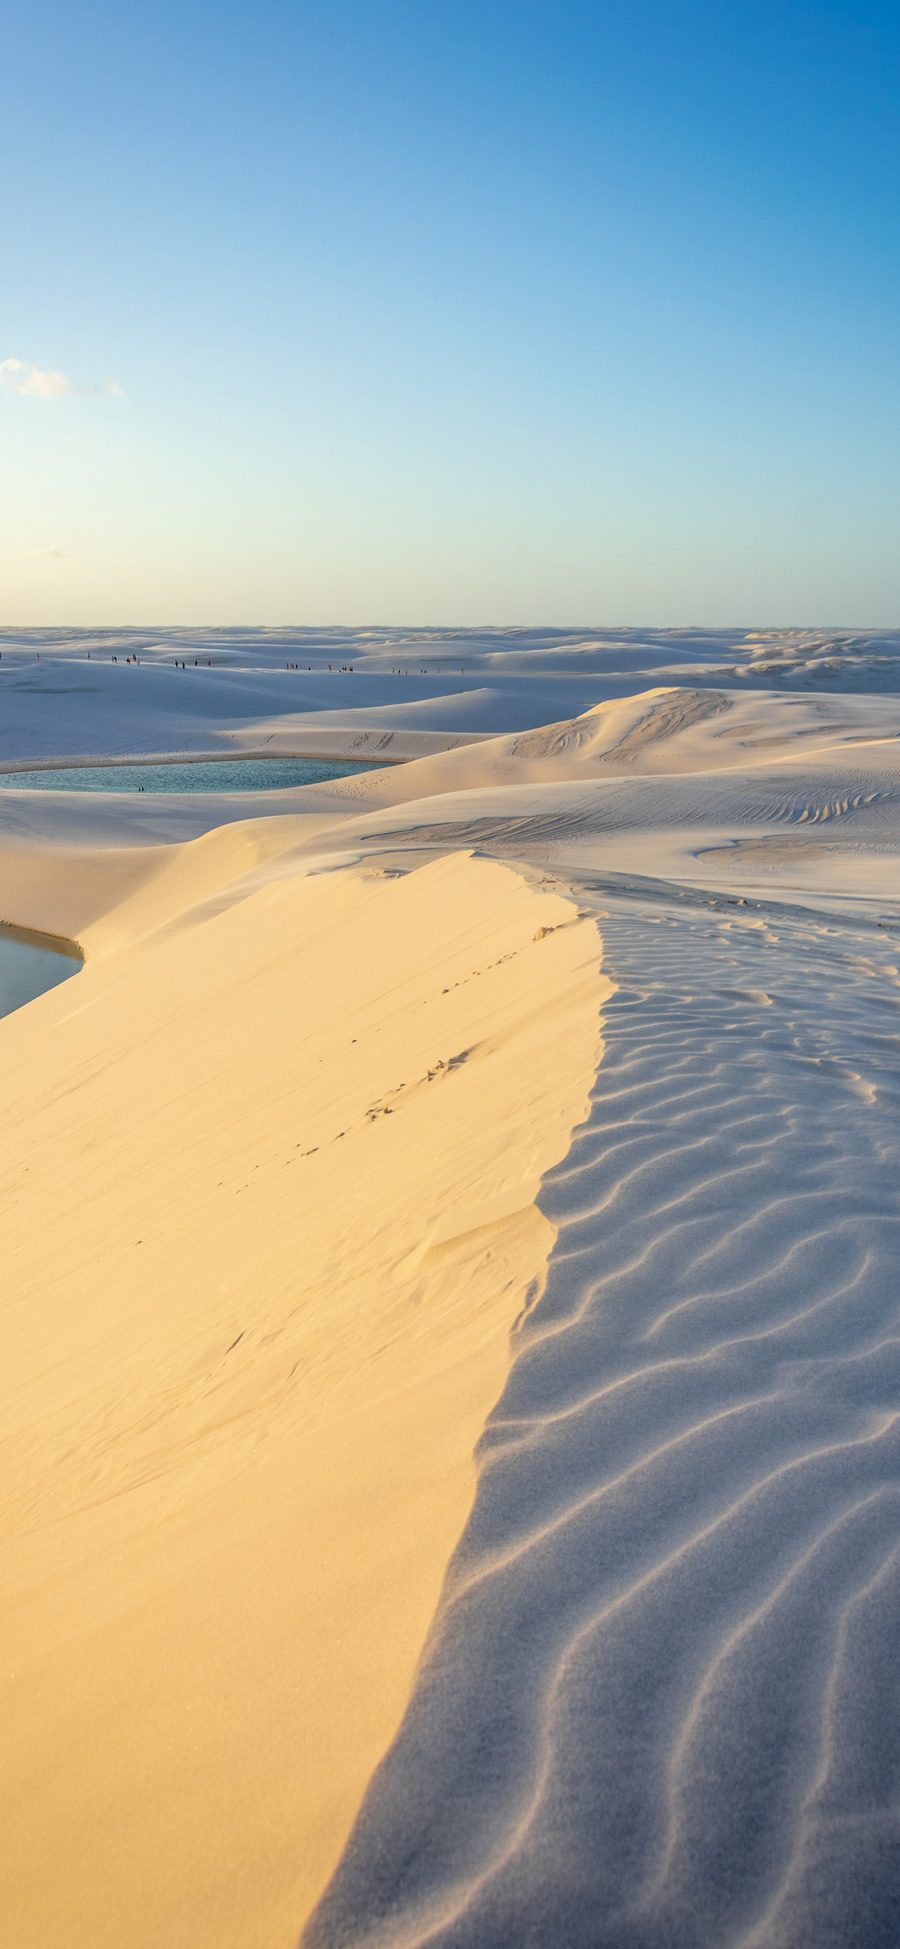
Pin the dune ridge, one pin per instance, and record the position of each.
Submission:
(640, 1718)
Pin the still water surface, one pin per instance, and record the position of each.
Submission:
(28, 968)
(206, 775)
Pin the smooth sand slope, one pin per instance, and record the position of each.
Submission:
(269, 1185)
(656, 1706)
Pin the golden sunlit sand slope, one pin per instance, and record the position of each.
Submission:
(269, 1184)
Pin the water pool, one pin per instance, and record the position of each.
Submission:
(200, 775)
(28, 967)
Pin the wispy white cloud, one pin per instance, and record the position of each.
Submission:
(45, 382)
(110, 389)
(49, 555)
(35, 381)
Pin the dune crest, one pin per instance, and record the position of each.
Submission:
(658, 1704)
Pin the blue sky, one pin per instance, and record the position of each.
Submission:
(411, 312)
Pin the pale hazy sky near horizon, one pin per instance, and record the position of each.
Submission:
(369, 312)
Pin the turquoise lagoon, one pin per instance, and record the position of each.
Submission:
(194, 775)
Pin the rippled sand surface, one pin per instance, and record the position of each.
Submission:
(659, 1704)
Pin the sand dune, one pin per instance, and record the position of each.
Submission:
(315, 1575)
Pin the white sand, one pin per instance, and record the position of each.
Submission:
(657, 1703)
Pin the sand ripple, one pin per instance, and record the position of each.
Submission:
(659, 1706)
